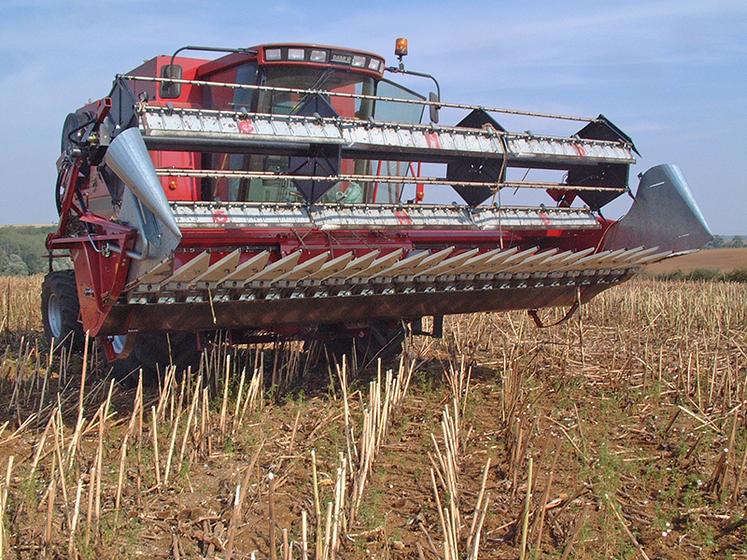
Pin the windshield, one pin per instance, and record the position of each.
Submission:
(286, 103)
(327, 79)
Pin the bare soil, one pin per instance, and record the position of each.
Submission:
(633, 415)
(724, 260)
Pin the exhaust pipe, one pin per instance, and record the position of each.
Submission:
(128, 158)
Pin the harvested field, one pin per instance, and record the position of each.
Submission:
(620, 433)
(724, 260)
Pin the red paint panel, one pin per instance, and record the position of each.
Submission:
(179, 188)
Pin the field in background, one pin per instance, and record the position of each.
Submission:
(724, 260)
(621, 433)
(22, 253)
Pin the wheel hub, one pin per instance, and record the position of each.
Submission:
(54, 315)
(118, 343)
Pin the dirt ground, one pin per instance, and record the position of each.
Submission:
(621, 433)
(724, 260)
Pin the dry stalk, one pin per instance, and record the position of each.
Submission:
(271, 514)
(539, 520)
(174, 431)
(74, 523)
(527, 507)
(304, 536)
(445, 469)
(459, 382)
(478, 517)
(446, 463)
(89, 511)
(235, 520)
(83, 379)
(377, 418)
(580, 522)
(286, 545)
(4, 493)
(342, 375)
(137, 406)
(338, 519)
(190, 416)
(450, 551)
(238, 403)
(51, 496)
(327, 534)
(224, 404)
(738, 478)
(154, 434)
(317, 509)
(625, 528)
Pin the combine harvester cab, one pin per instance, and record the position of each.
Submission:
(280, 191)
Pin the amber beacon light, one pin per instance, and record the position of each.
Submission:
(400, 47)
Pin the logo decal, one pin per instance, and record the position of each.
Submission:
(433, 140)
(246, 126)
(220, 217)
(402, 217)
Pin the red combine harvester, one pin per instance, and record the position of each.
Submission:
(280, 190)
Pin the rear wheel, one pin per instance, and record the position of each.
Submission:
(72, 131)
(72, 128)
(61, 310)
(153, 353)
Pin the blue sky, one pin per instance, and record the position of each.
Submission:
(673, 74)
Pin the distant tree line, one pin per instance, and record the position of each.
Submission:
(22, 250)
(721, 242)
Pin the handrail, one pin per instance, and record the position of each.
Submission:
(422, 102)
(268, 175)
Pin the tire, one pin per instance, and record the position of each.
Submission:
(71, 131)
(153, 353)
(61, 310)
(74, 122)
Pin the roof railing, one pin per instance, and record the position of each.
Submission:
(421, 102)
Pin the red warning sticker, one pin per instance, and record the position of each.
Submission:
(402, 217)
(433, 140)
(246, 126)
(220, 216)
